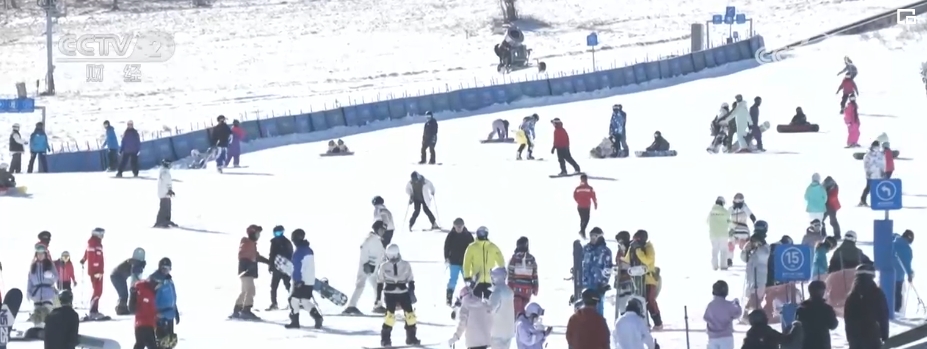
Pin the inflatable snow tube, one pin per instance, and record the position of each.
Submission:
(514, 36)
(337, 154)
(859, 156)
(656, 153)
(797, 128)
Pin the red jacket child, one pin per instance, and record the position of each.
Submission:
(93, 257)
(848, 87)
(146, 313)
(584, 196)
(889, 160)
(561, 138)
(65, 272)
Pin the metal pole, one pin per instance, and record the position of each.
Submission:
(593, 58)
(49, 42)
(43, 116)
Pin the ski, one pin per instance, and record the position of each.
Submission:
(423, 345)
(567, 175)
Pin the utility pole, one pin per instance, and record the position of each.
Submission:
(50, 7)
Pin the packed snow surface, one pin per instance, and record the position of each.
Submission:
(258, 57)
(329, 198)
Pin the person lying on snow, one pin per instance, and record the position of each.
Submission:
(659, 143)
(7, 181)
(799, 118)
(198, 159)
(605, 149)
(337, 148)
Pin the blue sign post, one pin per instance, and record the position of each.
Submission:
(592, 40)
(791, 263)
(730, 18)
(885, 195)
(17, 105)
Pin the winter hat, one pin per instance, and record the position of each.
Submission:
(758, 318)
(278, 230)
(635, 306)
(235, 123)
(623, 235)
(377, 200)
(298, 235)
(377, 226)
(521, 244)
(865, 270)
(816, 178)
(458, 222)
(253, 230)
(65, 297)
(875, 144)
(719, 201)
(816, 222)
(590, 296)
(498, 275)
(908, 235)
(719, 289)
(165, 263)
(595, 233)
(850, 236)
(98, 232)
(817, 288)
(556, 121)
(44, 235)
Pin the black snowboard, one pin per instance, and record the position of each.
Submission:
(13, 299)
(577, 273)
(904, 338)
(566, 175)
(860, 156)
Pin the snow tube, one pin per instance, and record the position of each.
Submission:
(507, 140)
(337, 154)
(656, 153)
(859, 156)
(797, 128)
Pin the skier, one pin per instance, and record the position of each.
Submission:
(816, 199)
(397, 284)
(41, 286)
(475, 318)
(421, 191)
(586, 327)
(381, 213)
(720, 130)
(740, 231)
(371, 255)
(65, 270)
(45, 240)
(597, 265)
(132, 270)
(616, 131)
(718, 229)
(502, 303)
(455, 248)
(479, 259)
(530, 333)
(562, 147)
(279, 246)
(526, 129)
(624, 284)
(742, 123)
(165, 193)
(851, 118)
(129, 149)
(719, 317)
(755, 132)
(523, 275)
(849, 88)
(248, 259)
(221, 135)
(817, 316)
(166, 304)
(874, 165)
(866, 312)
(585, 198)
(903, 270)
(238, 135)
(643, 254)
(500, 129)
(93, 258)
(62, 324)
(889, 159)
(17, 148)
(429, 137)
(847, 255)
(812, 234)
(146, 315)
(301, 296)
(7, 180)
(659, 143)
(631, 330)
(833, 205)
(849, 69)
(756, 254)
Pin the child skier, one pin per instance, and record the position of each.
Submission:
(65, 269)
(475, 317)
(530, 331)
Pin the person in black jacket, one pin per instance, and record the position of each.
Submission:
(847, 255)
(130, 269)
(770, 272)
(279, 246)
(455, 246)
(755, 132)
(761, 336)
(429, 137)
(221, 135)
(866, 311)
(817, 316)
(62, 324)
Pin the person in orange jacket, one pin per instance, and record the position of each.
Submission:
(562, 147)
(93, 263)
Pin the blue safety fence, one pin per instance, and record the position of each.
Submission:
(468, 99)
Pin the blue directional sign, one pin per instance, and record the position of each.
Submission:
(592, 39)
(17, 105)
(730, 13)
(885, 194)
(717, 19)
(792, 263)
(740, 18)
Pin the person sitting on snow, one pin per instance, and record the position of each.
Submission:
(799, 118)
(604, 150)
(341, 147)
(7, 180)
(332, 147)
(197, 159)
(659, 143)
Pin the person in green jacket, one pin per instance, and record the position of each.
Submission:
(816, 199)
(718, 224)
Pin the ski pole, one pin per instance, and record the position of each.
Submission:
(434, 199)
(406, 216)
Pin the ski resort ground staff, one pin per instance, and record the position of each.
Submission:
(585, 199)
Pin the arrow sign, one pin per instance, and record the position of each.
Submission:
(885, 194)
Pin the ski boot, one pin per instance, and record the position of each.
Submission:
(450, 297)
(411, 339)
(863, 204)
(379, 309)
(294, 322)
(351, 311)
(236, 312)
(385, 334)
(122, 308)
(246, 314)
(434, 226)
(518, 157)
(317, 317)
(530, 157)
(730, 262)
(273, 306)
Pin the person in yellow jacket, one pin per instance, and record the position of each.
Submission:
(719, 220)
(480, 258)
(643, 254)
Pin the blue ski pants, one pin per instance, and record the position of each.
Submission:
(600, 307)
(456, 271)
(221, 155)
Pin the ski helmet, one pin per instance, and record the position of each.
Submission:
(377, 200)
(616, 107)
(635, 305)
(98, 232)
(908, 235)
(719, 201)
(279, 230)
(415, 176)
(44, 236)
(865, 270)
(534, 309)
(65, 255)
(521, 244)
(65, 297)
(758, 318)
(719, 289)
(139, 254)
(498, 275)
(641, 235)
(738, 198)
(40, 249)
(392, 252)
(254, 231)
(591, 296)
(429, 114)
(298, 235)
(165, 264)
(595, 234)
(850, 236)
(817, 288)
(482, 233)
(761, 226)
(165, 163)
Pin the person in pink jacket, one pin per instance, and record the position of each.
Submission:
(238, 135)
(851, 118)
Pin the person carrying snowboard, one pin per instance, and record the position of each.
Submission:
(616, 131)
(279, 246)
(62, 324)
(301, 296)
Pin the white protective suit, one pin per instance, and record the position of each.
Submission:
(475, 321)
(742, 119)
(632, 332)
(381, 213)
(371, 251)
(502, 302)
(757, 259)
(165, 183)
(874, 164)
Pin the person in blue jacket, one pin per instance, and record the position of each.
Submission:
(39, 147)
(131, 146)
(597, 265)
(816, 199)
(904, 255)
(111, 143)
(616, 131)
(303, 281)
(819, 266)
(166, 303)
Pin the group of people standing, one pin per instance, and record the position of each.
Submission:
(38, 144)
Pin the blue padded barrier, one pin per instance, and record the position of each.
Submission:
(744, 48)
(640, 73)
(675, 66)
(425, 103)
(630, 77)
(82, 161)
(535, 88)
(470, 99)
(252, 129)
(486, 95)
(351, 115)
(364, 113)
(731, 53)
(380, 111)
(396, 108)
(709, 59)
(454, 102)
(560, 86)
(334, 118)
(186, 142)
(268, 128)
(665, 71)
(152, 152)
(306, 124)
(513, 91)
(699, 61)
(596, 81)
(501, 95)
(615, 77)
(414, 105)
(653, 71)
(579, 83)
(685, 63)
(720, 57)
(441, 101)
(286, 125)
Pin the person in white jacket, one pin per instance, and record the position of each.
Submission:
(756, 255)
(475, 320)
(165, 193)
(502, 301)
(874, 165)
(421, 192)
(381, 213)
(741, 117)
(17, 147)
(530, 332)
(631, 329)
(372, 253)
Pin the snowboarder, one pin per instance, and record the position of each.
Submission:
(238, 136)
(132, 270)
(586, 327)
(420, 191)
(866, 311)
(903, 270)
(455, 248)
(523, 275)
(371, 255)
(818, 317)
(165, 193)
(397, 284)
(799, 118)
(7, 180)
(248, 259)
(526, 132)
(562, 147)
(642, 254)
(429, 137)
(301, 296)
(129, 149)
(847, 255)
(742, 123)
(39, 147)
(756, 254)
(279, 246)
(659, 143)
(585, 199)
(146, 315)
(755, 131)
(502, 302)
(17, 148)
(739, 230)
(616, 131)
(849, 88)
(166, 304)
(719, 317)
(597, 265)
(479, 259)
(718, 231)
(874, 165)
(221, 135)
(500, 129)
(66, 277)
(530, 333)
(475, 318)
(93, 258)
(381, 213)
(41, 286)
(720, 130)
(62, 324)
(631, 329)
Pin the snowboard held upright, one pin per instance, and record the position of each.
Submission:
(321, 284)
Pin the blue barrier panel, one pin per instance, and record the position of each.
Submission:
(653, 70)
(396, 108)
(363, 113)
(334, 118)
(595, 81)
(616, 77)
(351, 116)
(744, 48)
(470, 99)
(441, 102)
(675, 66)
(486, 95)
(535, 88)
(319, 123)
(630, 76)
(186, 142)
(640, 73)
(579, 83)
(560, 86)
(454, 101)
(709, 56)
(514, 91)
(686, 64)
(720, 58)
(699, 61)
(413, 105)
(252, 129)
(285, 125)
(268, 128)
(756, 43)
(305, 123)
(665, 71)
(426, 103)
(380, 111)
(82, 161)
(501, 95)
(150, 154)
(731, 53)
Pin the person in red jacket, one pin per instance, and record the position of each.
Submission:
(833, 205)
(889, 159)
(44, 240)
(585, 198)
(66, 278)
(562, 147)
(146, 315)
(848, 86)
(93, 263)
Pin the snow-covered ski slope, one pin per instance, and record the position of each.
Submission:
(329, 198)
(260, 56)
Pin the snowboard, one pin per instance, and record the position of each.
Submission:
(11, 302)
(423, 345)
(18, 191)
(577, 272)
(507, 140)
(87, 318)
(566, 175)
(860, 156)
(906, 337)
(337, 154)
(88, 342)
(321, 284)
(654, 153)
